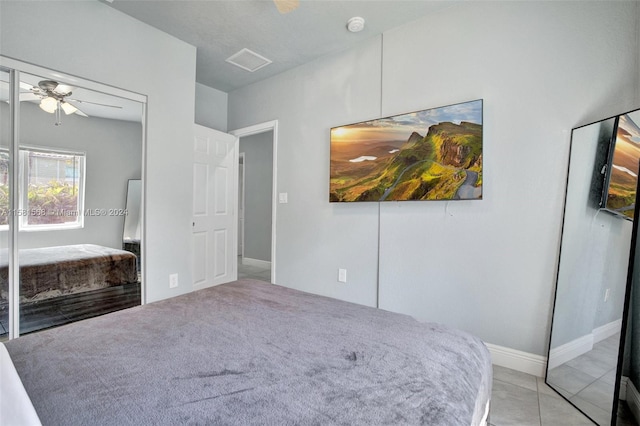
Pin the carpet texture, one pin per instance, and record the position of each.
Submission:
(253, 353)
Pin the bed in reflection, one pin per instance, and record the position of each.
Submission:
(63, 284)
(55, 271)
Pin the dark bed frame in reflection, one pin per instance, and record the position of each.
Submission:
(595, 332)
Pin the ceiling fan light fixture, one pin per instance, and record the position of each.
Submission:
(68, 108)
(63, 89)
(49, 104)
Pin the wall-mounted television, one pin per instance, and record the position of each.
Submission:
(619, 195)
(434, 154)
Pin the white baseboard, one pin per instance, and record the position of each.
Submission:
(571, 350)
(633, 400)
(582, 345)
(256, 262)
(518, 360)
(607, 330)
(536, 365)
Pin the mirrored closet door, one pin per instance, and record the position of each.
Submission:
(5, 197)
(77, 149)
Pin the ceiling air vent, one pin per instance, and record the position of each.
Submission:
(248, 60)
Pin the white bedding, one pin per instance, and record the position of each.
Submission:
(16, 408)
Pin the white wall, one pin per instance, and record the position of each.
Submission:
(113, 156)
(484, 266)
(258, 169)
(211, 107)
(95, 42)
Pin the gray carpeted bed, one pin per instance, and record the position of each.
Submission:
(253, 353)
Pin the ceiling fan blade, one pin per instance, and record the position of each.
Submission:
(286, 6)
(26, 86)
(29, 97)
(80, 113)
(93, 103)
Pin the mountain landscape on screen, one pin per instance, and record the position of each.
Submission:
(621, 193)
(435, 154)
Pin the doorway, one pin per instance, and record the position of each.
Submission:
(256, 201)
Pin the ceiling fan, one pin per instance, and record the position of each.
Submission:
(286, 6)
(54, 98)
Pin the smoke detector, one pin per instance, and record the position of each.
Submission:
(355, 24)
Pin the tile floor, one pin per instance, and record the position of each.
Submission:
(520, 399)
(255, 272)
(589, 380)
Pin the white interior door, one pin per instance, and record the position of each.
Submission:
(215, 173)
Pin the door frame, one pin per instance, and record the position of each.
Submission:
(254, 130)
(241, 203)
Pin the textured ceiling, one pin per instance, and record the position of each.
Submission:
(220, 28)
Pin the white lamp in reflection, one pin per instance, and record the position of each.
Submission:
(68, 108)
(49, 104)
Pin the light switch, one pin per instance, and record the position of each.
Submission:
(283, 198)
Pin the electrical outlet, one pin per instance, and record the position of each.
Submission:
(342, 275)
(173, 280)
